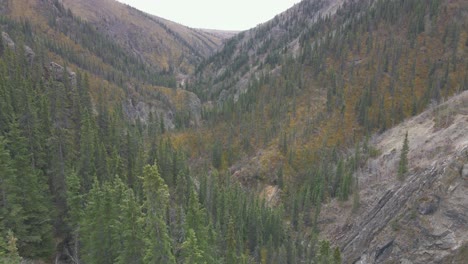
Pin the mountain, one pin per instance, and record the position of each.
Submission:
(155, 40)
(293, 103)
(334, 133)
(245, 55)
(99, 44)
(322, 76)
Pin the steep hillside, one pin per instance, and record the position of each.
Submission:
(132, 82)
(285, 117)
(154, 40)
(362, 70)
(260, 49)
(421, 218)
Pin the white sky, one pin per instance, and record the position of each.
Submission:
(214, 14)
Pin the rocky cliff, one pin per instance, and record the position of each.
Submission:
(423, 218)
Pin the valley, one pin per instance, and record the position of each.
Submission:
(128, 138)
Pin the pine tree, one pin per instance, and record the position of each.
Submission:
(7, 174)
(191, 251)
(336, 256)
(129, 225)
(95, 226)
(403, 164)
(8, 249)
(74, 208)
(86, 167)
(158, 243)
(231, 242)
(197, 222)
(28, 212)
(323, 256)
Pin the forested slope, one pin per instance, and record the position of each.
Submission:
(297, 126)
(103, 160)
(88, 169)
(360, 71)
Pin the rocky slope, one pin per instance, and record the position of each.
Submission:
(422, 219)
(226, 74)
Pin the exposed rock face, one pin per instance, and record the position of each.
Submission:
(428, 205)
(8, 41)
(422, 219)
(58, 73)
(165, 103)
(11, 44)
(30, 55)
(193, 104)
(272, 195)
(141, 111)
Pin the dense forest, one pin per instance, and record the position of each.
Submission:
(82, 182)
(359, 72)
(77, 171)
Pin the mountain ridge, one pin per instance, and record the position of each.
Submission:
(178, 46)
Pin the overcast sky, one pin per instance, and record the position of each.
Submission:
(214, 14)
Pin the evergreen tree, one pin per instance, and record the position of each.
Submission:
(74, 209)
(336, 256)
(97, 226)
(196, 221)
(27, 207)
(231, 242)
(130, 230)
(8, 249)
(156, 202)
(403, 163)
(191, 252)
(86, 167)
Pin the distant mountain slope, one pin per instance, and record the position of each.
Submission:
(155, 40)
(132, 81)
(247, 54)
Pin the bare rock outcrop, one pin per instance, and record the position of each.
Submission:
(193, 105)
(164, 103)
(8, 41)
(30, 55)
(58, 72)
(422, 219)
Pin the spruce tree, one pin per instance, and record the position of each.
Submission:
(197, 222)
(158, 242)
(28, 212)
(8, 249)
(95, 228)
(403, 164)
(129, 226)
(191, 251)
